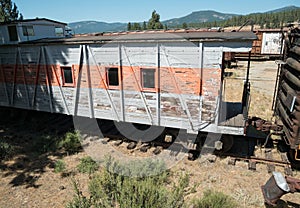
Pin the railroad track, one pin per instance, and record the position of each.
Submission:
(158, 147)
(112, 136)
(270, 163)
(193, 151)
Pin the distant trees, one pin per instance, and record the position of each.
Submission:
(153, 23)
(9, 11)
(264, 20)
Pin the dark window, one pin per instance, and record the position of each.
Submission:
(59, 31)
(12, 31)
(28, 31)
(148, 78)
(113, 77)
(67, 75)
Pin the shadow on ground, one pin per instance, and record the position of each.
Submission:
(28, 144)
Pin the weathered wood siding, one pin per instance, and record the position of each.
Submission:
(186, 95)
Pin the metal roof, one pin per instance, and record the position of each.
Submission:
(31, 20)
(153, 36)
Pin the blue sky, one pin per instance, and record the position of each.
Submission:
(138, 10)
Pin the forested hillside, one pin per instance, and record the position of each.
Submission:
(266, 20)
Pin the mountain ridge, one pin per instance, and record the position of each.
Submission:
(196, 16)
(200, 16)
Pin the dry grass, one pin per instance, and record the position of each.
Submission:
(237, 181)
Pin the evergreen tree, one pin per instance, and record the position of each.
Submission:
(144, 25)
(184, 25)
(9, 11)
(215, 24)
(129, 26)
(154, 22)
(136, 26)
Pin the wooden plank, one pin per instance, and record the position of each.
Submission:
(79, 74)
(48, 81)
(121, 83)
(90, 94)
(24, 79)
(105, 86)
(14, 78)
(36, 78)
(178, 90)
(48, 55)
(4, 82)
(139, 89)
(158, 98)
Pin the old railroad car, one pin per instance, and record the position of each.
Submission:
(287, 102)
(155, 78)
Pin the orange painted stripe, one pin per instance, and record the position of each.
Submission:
(172, 80)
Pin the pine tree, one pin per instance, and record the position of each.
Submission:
(9, 11)
(136, 26)
(154, 22)
(129, 27)
(144, 25)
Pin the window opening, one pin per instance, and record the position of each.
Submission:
(59, 31)
(28, 30)
(113, 76)
(12, 31)
(67, 75)
(148, 78)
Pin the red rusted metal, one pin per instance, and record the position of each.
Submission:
(277, 186)
(293, 183)
(263, 125)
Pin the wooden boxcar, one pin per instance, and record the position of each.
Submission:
(287, 103)
(154, 78)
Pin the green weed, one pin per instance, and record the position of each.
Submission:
(6, 150)
(59, 166)
(214, 199)
(87, 165)
(109, 189)
(71, 142)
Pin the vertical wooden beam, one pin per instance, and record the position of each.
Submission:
(48, 55)
(158, 98)
(24, 78)
(4, 81)
(122, 96)
(201, 64)
(14, 79)
(48, 80)
(178, 90)
(36, 78)
(77, 91)
(139, 89)
(105, 84)
(90, 92)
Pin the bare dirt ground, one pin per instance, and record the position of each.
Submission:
(28, 179)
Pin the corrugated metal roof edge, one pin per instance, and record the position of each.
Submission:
(152, 37)
(31, 20)
(146, 37)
